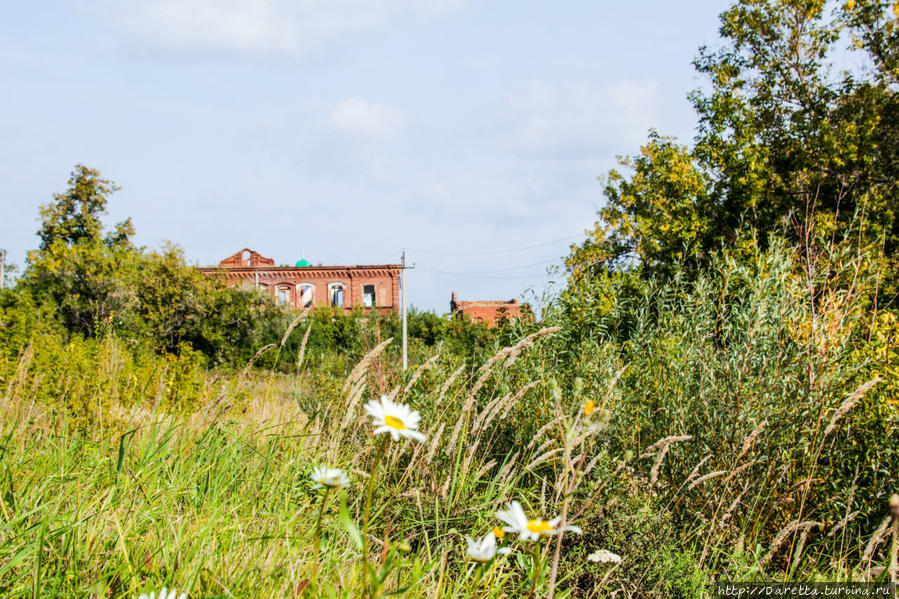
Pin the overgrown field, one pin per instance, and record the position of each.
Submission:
(732, 428)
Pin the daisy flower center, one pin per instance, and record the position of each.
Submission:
(394, 422)
(539, 526)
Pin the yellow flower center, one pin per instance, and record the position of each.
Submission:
(539, 526)
(498, 532)
(394, 422)
(589, 407)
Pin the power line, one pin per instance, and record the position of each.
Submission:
(518, 249)
(475, 276)
(487, 272)
(388, 258)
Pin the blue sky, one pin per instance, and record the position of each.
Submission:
(344, 130)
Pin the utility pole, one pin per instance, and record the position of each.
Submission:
(2, 269)
(405, 292)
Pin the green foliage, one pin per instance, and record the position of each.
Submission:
(73, 217)
(753, 359)
(660, 216)
(785, 141)
(178, 305)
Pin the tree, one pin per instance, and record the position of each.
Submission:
(662, 214)
(74, 217)
(87, 276)
(785, 142)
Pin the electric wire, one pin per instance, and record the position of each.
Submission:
(488, 277)
(487, 272)
(494, 253)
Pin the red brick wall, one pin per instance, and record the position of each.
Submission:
(385, 278)
(489, 314)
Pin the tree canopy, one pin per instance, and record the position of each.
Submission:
(787, 140)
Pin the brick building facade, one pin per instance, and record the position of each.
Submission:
(303, 285)
(489, 311)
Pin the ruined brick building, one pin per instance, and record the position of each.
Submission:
(374, 287)
(489, 311)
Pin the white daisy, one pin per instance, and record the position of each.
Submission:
(531, 530)
(604, 557)
(329, 477)
(163, 594)
(484, 550)
(394, 418)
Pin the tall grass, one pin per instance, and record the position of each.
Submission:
(739, 427)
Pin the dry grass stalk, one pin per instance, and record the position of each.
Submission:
(882, 532)
(745, 466)
(705, 477)
(516, 349)
(695, 471)
(733, 506)
(246, 369)
(303, 346)
(545, 445)
(842, 523)
(592, 463)
(662, 443)
(435, 441)
(352, 401)
(784, 534)
(456, 430)
(505, 474)
(469, 400)
(360, 369)
(486, 412)
(448, 383)
(508, 352)
(505, 405)
(483, 470)
(542, 430)
(848, 403)
(654, 472)
(293, 324)
(419, 371)
(748, 442)
(543, 457)
(800, 546)
(23, 365)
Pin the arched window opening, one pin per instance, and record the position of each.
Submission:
(283, 295)
(335, 290)
(306, 293)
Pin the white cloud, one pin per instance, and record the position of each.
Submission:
(577, 120)
(260, 26)
(360, 117)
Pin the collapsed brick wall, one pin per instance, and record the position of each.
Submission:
(299, 286)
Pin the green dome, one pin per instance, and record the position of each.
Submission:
(303, 262)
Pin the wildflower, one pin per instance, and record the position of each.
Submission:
(394, 418)
(531, 530)
(163, 594)
(589, 407)
(498, 532)
(329, 477)
(484, 550)
(604, 557)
